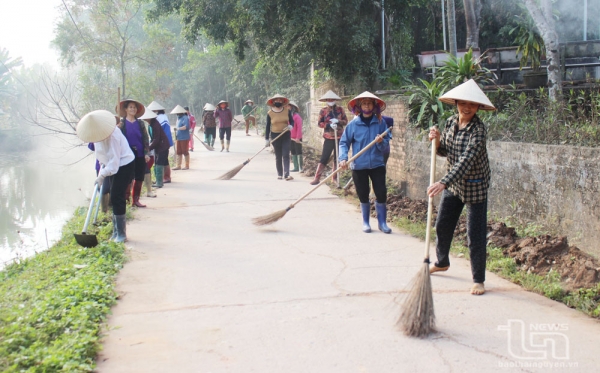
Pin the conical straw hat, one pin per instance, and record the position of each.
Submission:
(250, 101)
(223, 102)
(96, 126)
(149, 114)
(468, 91)
(295, 105)
(209, 107)
(123, 113)
(366, 94)
(270, 101)
(155, 106)
(178, 110)
(329, 95)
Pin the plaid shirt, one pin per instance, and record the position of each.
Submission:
(467, 163)
(326, 114)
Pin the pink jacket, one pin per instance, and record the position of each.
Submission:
(296, 132)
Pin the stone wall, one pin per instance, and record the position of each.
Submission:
(553, 186)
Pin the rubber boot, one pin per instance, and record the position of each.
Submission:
(381, 209)
(227, 145)
(365, 208)
(148, 184)
(121, 231)
(104, 202)
(137, 190)
(301, 163)
(178, 162)
(167, 174)
(222, 145)
(187, 162)
(318, 173)
(295, 161)
(114, 233)
(159, 173)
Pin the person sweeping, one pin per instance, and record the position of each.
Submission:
(466, 181)
(114, 153)
(280, 118)
(363, 129)
(296, 135)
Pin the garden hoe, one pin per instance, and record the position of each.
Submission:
(84, 239)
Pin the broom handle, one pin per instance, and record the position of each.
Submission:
(338, 169)
(430, 201)
(272, 141)
(337, 183)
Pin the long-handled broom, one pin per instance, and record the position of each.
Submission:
(208, 147)
(418, 318)
(231, 173)
(275, 216)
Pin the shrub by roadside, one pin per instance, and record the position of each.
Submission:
(53, 304)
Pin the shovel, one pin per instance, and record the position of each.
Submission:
(84, 239)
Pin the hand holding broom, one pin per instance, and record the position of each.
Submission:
(418, 318)
(231, 173)
(276, 216)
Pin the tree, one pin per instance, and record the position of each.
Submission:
(472, 20)
(542, 14)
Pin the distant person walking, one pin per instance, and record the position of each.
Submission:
(332, 119)
(209, 124)
(183, 137)
(296, 135)
(192, 127)
(467, 180)
(248, 117)
(225, 118)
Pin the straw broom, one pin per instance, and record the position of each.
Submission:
(276, 216)
(418, 318)
(208, 147)
(231, 173)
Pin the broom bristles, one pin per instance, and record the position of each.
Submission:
(208, 146)
(418, 318)
(231, 173)
(271, 218)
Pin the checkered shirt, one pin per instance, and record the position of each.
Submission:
(467, 162)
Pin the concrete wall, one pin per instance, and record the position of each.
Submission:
(554, 186)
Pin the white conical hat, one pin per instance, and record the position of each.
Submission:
(155, 106)
(149, 114)
(468, 91)
(209, 107)
(178, 110)
(366, 94)
(329, 95)
(96, 126)
(294, 105)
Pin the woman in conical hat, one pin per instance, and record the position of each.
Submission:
(182, 137)
(162, 157)
(332, 119)
(361, 131)
(279, 118)
(225, 118)
(209, 124)
(117, 159)
(466, 181)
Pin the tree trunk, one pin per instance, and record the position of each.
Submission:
(451, 10)
(542, 16)
(473, 19)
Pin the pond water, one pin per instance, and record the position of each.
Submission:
(39, 191)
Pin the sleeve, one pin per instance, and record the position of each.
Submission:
(343, 120)
(145, 137)
(345, 142)
(385, 144)
(291, 118)
(186, 122)
(297, 127)
(323, 120)
(216, 113)
(460, 168)
(442, 150)
(114, 151)
(156, 129)
(268, 127)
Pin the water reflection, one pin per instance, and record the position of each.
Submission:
(37, 195)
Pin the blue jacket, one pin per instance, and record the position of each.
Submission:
(164, 123)
(358, 135)
(183, 121)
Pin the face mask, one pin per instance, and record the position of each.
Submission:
(278, 104)
(331, 103)
(367, 112)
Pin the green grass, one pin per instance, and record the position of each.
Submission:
(52, 305)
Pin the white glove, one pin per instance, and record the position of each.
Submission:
(100, 181)
(333, 121)
(333, 126)
(267, 143)
(290, 127)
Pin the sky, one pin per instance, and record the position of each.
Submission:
(27, 28)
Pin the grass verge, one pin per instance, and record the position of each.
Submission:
(52, 305)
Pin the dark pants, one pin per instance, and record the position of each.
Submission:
(211, 131)
(139, 168)
(225, 132)
(328, 147)
(296, 147)
(448, 213)
(361, 184)
(162, 158)
(119, 182)
(282, 153)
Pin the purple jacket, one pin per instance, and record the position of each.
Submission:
(225, 117)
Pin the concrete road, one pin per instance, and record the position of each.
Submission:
(207, 291)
